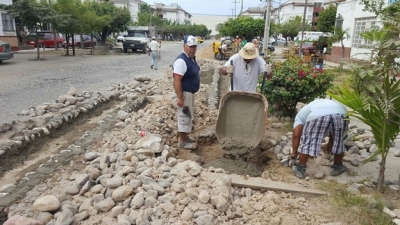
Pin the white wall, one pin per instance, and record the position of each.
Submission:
(350, 10)
(209, 21)
(170, 16)
(289, 11)
(5, 2)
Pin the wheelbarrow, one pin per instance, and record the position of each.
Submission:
(241, 121)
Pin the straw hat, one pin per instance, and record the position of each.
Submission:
(249, 51)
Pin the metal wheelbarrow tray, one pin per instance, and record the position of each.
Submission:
(241, 122)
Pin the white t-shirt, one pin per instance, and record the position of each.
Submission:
(224, 47)
(316, 109)
(153, 45)
(245, 78)
(180, 66)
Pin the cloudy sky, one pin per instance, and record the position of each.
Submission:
(213, 7)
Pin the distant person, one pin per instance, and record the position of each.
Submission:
(186, 74)
(256, 42)
(237, 44)
(222, 49)
(154, 47)
(313, 122)
(244, 42)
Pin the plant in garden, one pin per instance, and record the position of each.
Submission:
(375, 98)
(294, 81)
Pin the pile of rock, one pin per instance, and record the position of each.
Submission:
(145, 186)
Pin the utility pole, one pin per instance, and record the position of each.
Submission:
(235, 6)
(302, 27)
(241, 8)
(266, 28)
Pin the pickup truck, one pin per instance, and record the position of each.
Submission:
(138, 38)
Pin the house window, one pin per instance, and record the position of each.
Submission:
(361, 25)
(8, 22)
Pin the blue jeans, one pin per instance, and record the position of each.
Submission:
(154, 58)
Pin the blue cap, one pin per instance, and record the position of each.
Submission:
(190, 40)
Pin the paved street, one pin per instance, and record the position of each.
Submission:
(25, 83)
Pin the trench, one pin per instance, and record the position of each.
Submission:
(74, 136)
(209, 148)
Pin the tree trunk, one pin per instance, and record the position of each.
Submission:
(91, 43)
(381, 177)
(82, 42)
(55, 40)
(67, 40)
(73, 44)
(341, 61)
(37, 46)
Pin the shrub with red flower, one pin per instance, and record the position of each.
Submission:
(294, 81)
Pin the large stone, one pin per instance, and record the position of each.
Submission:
(105, 205)
(205, 220)
(65, 217)
(150, 141)
(121, 193)
(20, 220)
(47, 203)
(122, 115)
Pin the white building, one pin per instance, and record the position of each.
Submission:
(255, 12)
(356, 21)
(292, 8)
(132, 5)
(7, 27)
(210, 22)
(173, 13)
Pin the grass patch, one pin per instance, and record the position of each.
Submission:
(355, 209)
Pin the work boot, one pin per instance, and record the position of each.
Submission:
(338, 169)
(299, 171)
(187, 145)
(151, 66)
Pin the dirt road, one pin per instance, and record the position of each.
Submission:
(25, 83)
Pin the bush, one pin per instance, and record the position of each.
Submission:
(294, 81)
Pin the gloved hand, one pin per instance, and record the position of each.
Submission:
(267, 68)
(292, 162)
(230, 69)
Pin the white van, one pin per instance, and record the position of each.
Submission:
(311, 35)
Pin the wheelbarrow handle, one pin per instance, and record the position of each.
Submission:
(263, 82)
(231, 77)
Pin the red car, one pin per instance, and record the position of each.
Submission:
(46, 39)
(86, 42)
(308, 47)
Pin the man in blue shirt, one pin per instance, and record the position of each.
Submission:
(186, 74)
(313, 122)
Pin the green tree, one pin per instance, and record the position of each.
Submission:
(292, 27)
(327, 19)
(71, 26)
(339, 36)
(377, 102)
(243, 26)
(120, 18)
(31, 13)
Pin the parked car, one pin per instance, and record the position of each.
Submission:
(121, 37)
(199, 40)
(5, 51)
(271, 48)
(279, 41)
(77, 39)
(46, 39)
(308, 47)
